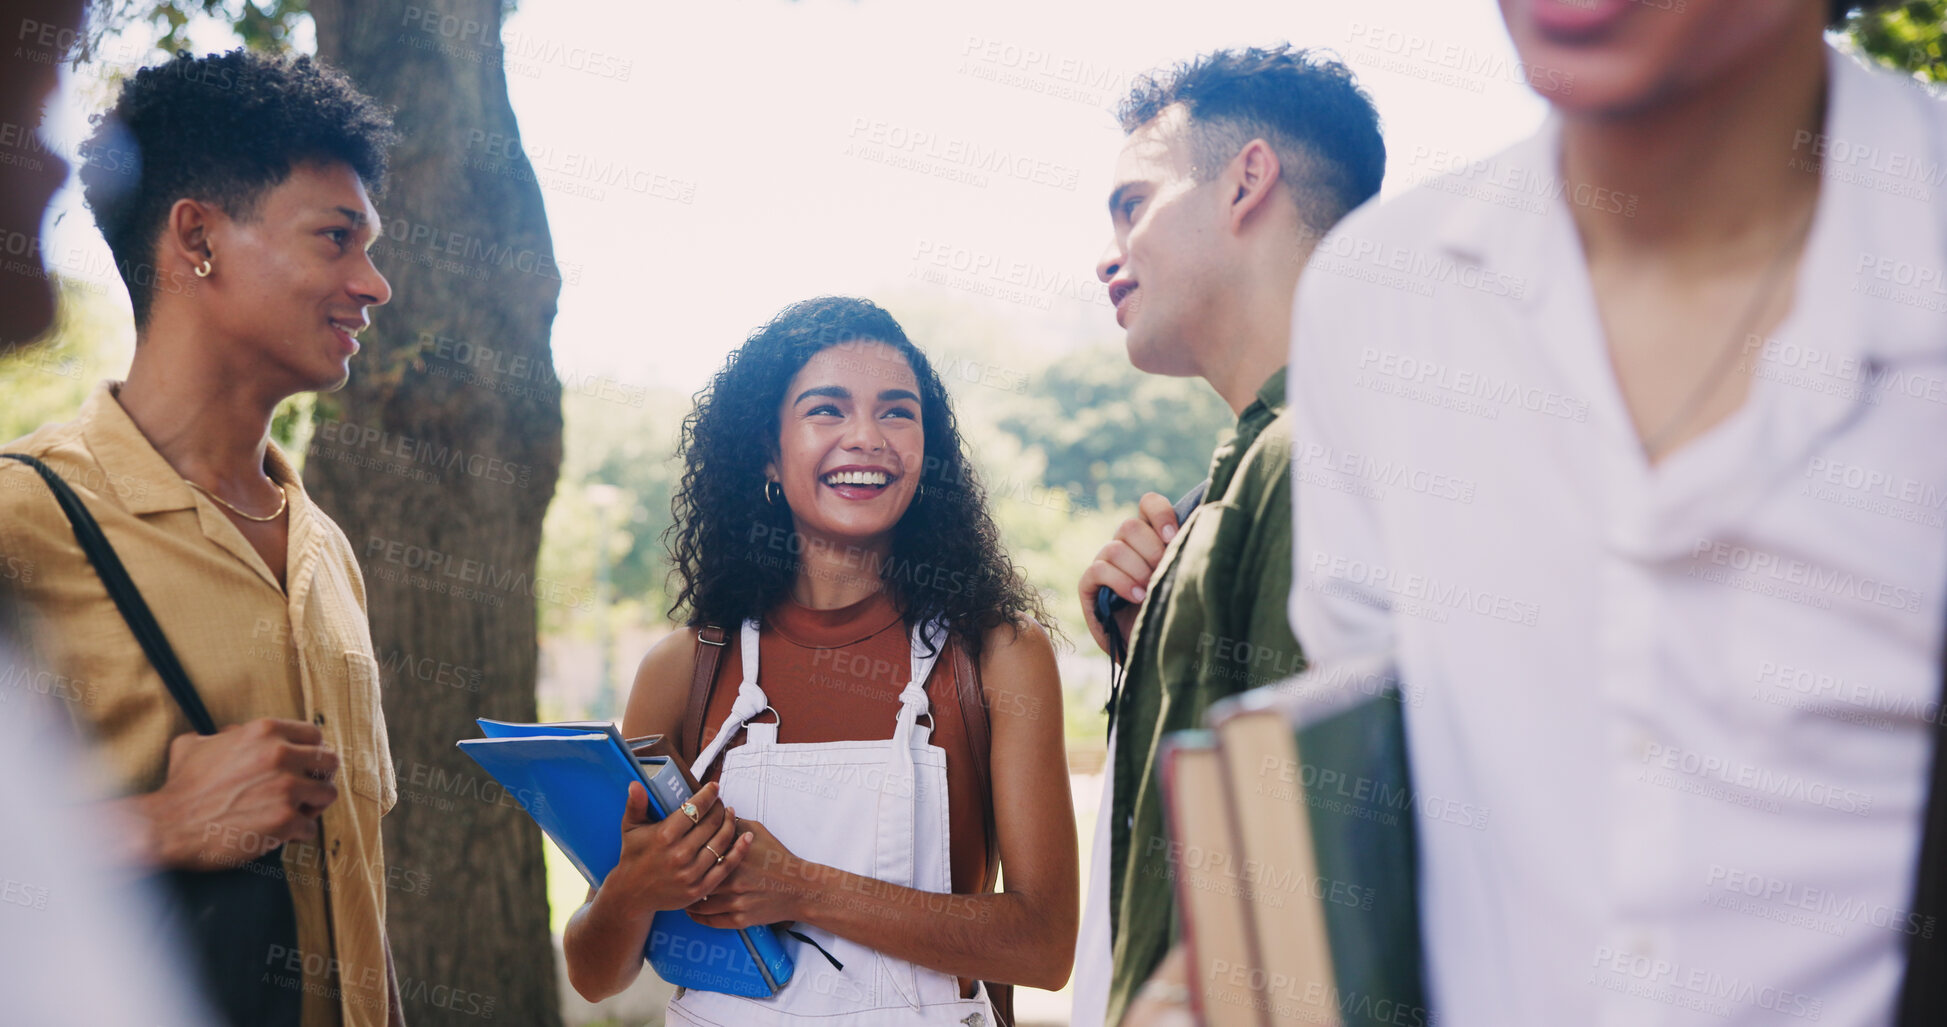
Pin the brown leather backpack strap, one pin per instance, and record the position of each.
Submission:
(980, 740)
(710, 642)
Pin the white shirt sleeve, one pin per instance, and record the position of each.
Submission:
(77, 932)
(1337, 540)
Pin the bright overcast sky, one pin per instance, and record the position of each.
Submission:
(767, 148)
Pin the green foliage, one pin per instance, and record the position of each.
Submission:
(1112, 433)
(291, 424)
(91, 340)
(258, 24)
(1910, 36)
(1084, 425)
(618, 473)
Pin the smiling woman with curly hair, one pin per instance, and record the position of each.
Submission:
(829, 523)
(735, 550)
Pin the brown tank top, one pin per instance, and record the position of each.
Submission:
(835, 676)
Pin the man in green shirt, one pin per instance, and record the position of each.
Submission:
(1236, 164)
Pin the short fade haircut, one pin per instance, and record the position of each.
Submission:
(221, 129)
(1309, 108)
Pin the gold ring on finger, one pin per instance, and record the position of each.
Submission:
(713, 851)
(689, 810)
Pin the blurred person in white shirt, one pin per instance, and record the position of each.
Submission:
(73, 924)
(1628, 440)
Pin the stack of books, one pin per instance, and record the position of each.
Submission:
(1293, 847)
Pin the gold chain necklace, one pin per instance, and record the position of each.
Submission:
(1786, 257)
(283, 497)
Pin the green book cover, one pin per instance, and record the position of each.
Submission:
(1337, 755)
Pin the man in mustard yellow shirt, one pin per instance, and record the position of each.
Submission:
(232, 192)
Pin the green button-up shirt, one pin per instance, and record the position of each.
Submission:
(1213, 624)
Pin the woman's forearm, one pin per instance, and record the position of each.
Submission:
(603, 946)
(1005, 937)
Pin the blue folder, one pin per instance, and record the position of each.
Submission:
(573, 779)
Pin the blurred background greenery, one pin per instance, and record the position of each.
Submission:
(1064, 444)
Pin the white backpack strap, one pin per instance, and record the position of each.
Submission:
(751, 701)
(930, 636)
(899, 793)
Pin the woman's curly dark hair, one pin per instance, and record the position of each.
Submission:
(728, 545)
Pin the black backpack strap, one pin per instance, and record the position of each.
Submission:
(1923, 995)
(1107, 603)
(127, 598)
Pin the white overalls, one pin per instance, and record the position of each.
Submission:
(874, 808)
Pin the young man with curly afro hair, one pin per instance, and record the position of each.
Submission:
(233, 192)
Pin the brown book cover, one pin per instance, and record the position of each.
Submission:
(1322, 794)
(1210, 893)
(1283, 888)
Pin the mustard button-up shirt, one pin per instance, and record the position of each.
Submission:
(252, 648)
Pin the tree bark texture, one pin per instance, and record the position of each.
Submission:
(438, 460)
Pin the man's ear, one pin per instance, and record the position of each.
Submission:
(186, 234)
(1252, 177)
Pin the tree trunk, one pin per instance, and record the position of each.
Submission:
(438, 460)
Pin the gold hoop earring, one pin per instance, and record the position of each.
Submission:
(203, 270)
(773, 493)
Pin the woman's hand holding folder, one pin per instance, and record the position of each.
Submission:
(771, 888)
(671, 863)
(665, 864)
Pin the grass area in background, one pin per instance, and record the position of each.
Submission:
(566, 889)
